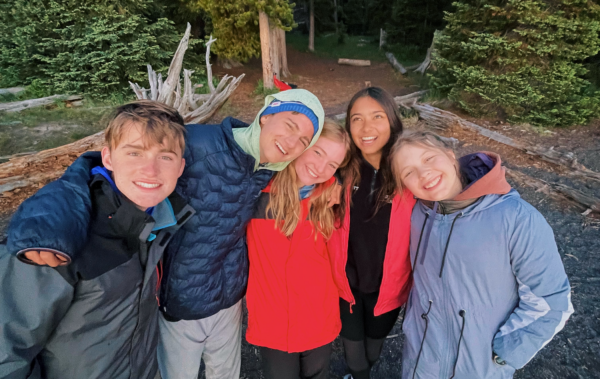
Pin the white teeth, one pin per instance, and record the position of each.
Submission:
(433, 183)
(280, 148)
(312, 173)
(147, 185)
(368, 139)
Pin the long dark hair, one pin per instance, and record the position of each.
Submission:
(351, 173)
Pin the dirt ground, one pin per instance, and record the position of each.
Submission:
(575, 352)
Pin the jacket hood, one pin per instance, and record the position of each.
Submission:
(483, 175)
(249, 138)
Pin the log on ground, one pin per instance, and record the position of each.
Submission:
(354, 62)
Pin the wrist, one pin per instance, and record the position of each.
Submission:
(497, 360)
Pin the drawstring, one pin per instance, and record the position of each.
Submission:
(428, 232)
(462, 329)
(419, 244)
(447, 243)
(424, 317)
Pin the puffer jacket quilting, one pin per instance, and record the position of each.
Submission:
(206, 264)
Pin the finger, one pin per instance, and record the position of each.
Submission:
(64, 259)
(34, 256)
(50, 258)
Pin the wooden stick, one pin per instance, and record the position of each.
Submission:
(354, 62)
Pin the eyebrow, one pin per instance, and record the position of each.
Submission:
(141, 147)
(354, 114)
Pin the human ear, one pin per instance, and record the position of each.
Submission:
(106, 159)
(263, 119)
(181, 168)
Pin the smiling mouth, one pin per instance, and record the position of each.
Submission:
(280, 148)
(368, 139)
(147, 185)
(312, 173)
(433, 183)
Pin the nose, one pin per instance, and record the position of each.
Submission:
(292, 143)
(150, 168)
(321, 166)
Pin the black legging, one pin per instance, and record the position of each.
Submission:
(311, 364)
(363, 334)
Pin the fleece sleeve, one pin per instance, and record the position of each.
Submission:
(544, 291)
(33, 300)
(57, 217)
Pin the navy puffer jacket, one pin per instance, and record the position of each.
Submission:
(206, 263)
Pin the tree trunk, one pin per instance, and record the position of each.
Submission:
(285, 71)
(311, 32)
(275, 50)
(265, 50)
(335, 18)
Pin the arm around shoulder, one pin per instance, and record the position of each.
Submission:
(544, 290)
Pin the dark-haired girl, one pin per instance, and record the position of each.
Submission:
(369, 251)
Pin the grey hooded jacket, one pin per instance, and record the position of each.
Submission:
(487, 278)
(97, 317)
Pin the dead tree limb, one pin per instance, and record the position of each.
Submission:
(194, 108)
(557, 190)
(354, 62)
(17, 106)
(427, 62)
(395, 63)
(440, 119)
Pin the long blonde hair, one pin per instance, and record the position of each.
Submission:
(284, 204)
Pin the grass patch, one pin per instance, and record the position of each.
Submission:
(356, 47)
(42, 128)
(261, 90)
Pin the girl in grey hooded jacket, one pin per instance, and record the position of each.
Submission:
(490, 289)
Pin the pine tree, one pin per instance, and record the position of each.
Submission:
(81, 46)
(521, 59)
(235, 24)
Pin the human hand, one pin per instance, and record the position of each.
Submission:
(46, 258)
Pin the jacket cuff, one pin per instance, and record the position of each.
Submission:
(21, 255)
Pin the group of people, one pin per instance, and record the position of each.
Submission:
(137, 259)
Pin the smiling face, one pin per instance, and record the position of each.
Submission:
(429, 173)
(145, 174)
(370, 128)
(319, 163)
(284, 136)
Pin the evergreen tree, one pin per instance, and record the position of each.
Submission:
(82, 46)
(520, 58)
(235, 24)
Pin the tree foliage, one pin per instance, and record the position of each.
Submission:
(81, 46)
(235, 24)
(520, 58)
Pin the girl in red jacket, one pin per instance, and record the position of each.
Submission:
(369, 252)
(292, 299)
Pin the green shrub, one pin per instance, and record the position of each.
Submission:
(521, 59)
(82, 46)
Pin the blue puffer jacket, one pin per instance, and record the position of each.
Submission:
(206, 264)
(487, 279)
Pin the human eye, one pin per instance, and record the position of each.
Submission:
(407, 174)
(318, 152)
(134, 154)
(166, 158)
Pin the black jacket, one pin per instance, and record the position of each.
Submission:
(96, 317)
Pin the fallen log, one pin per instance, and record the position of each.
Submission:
(17, 106)
(395, 63)
(557, 191)
(354, 62)
(440, 119)
(12, 90)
